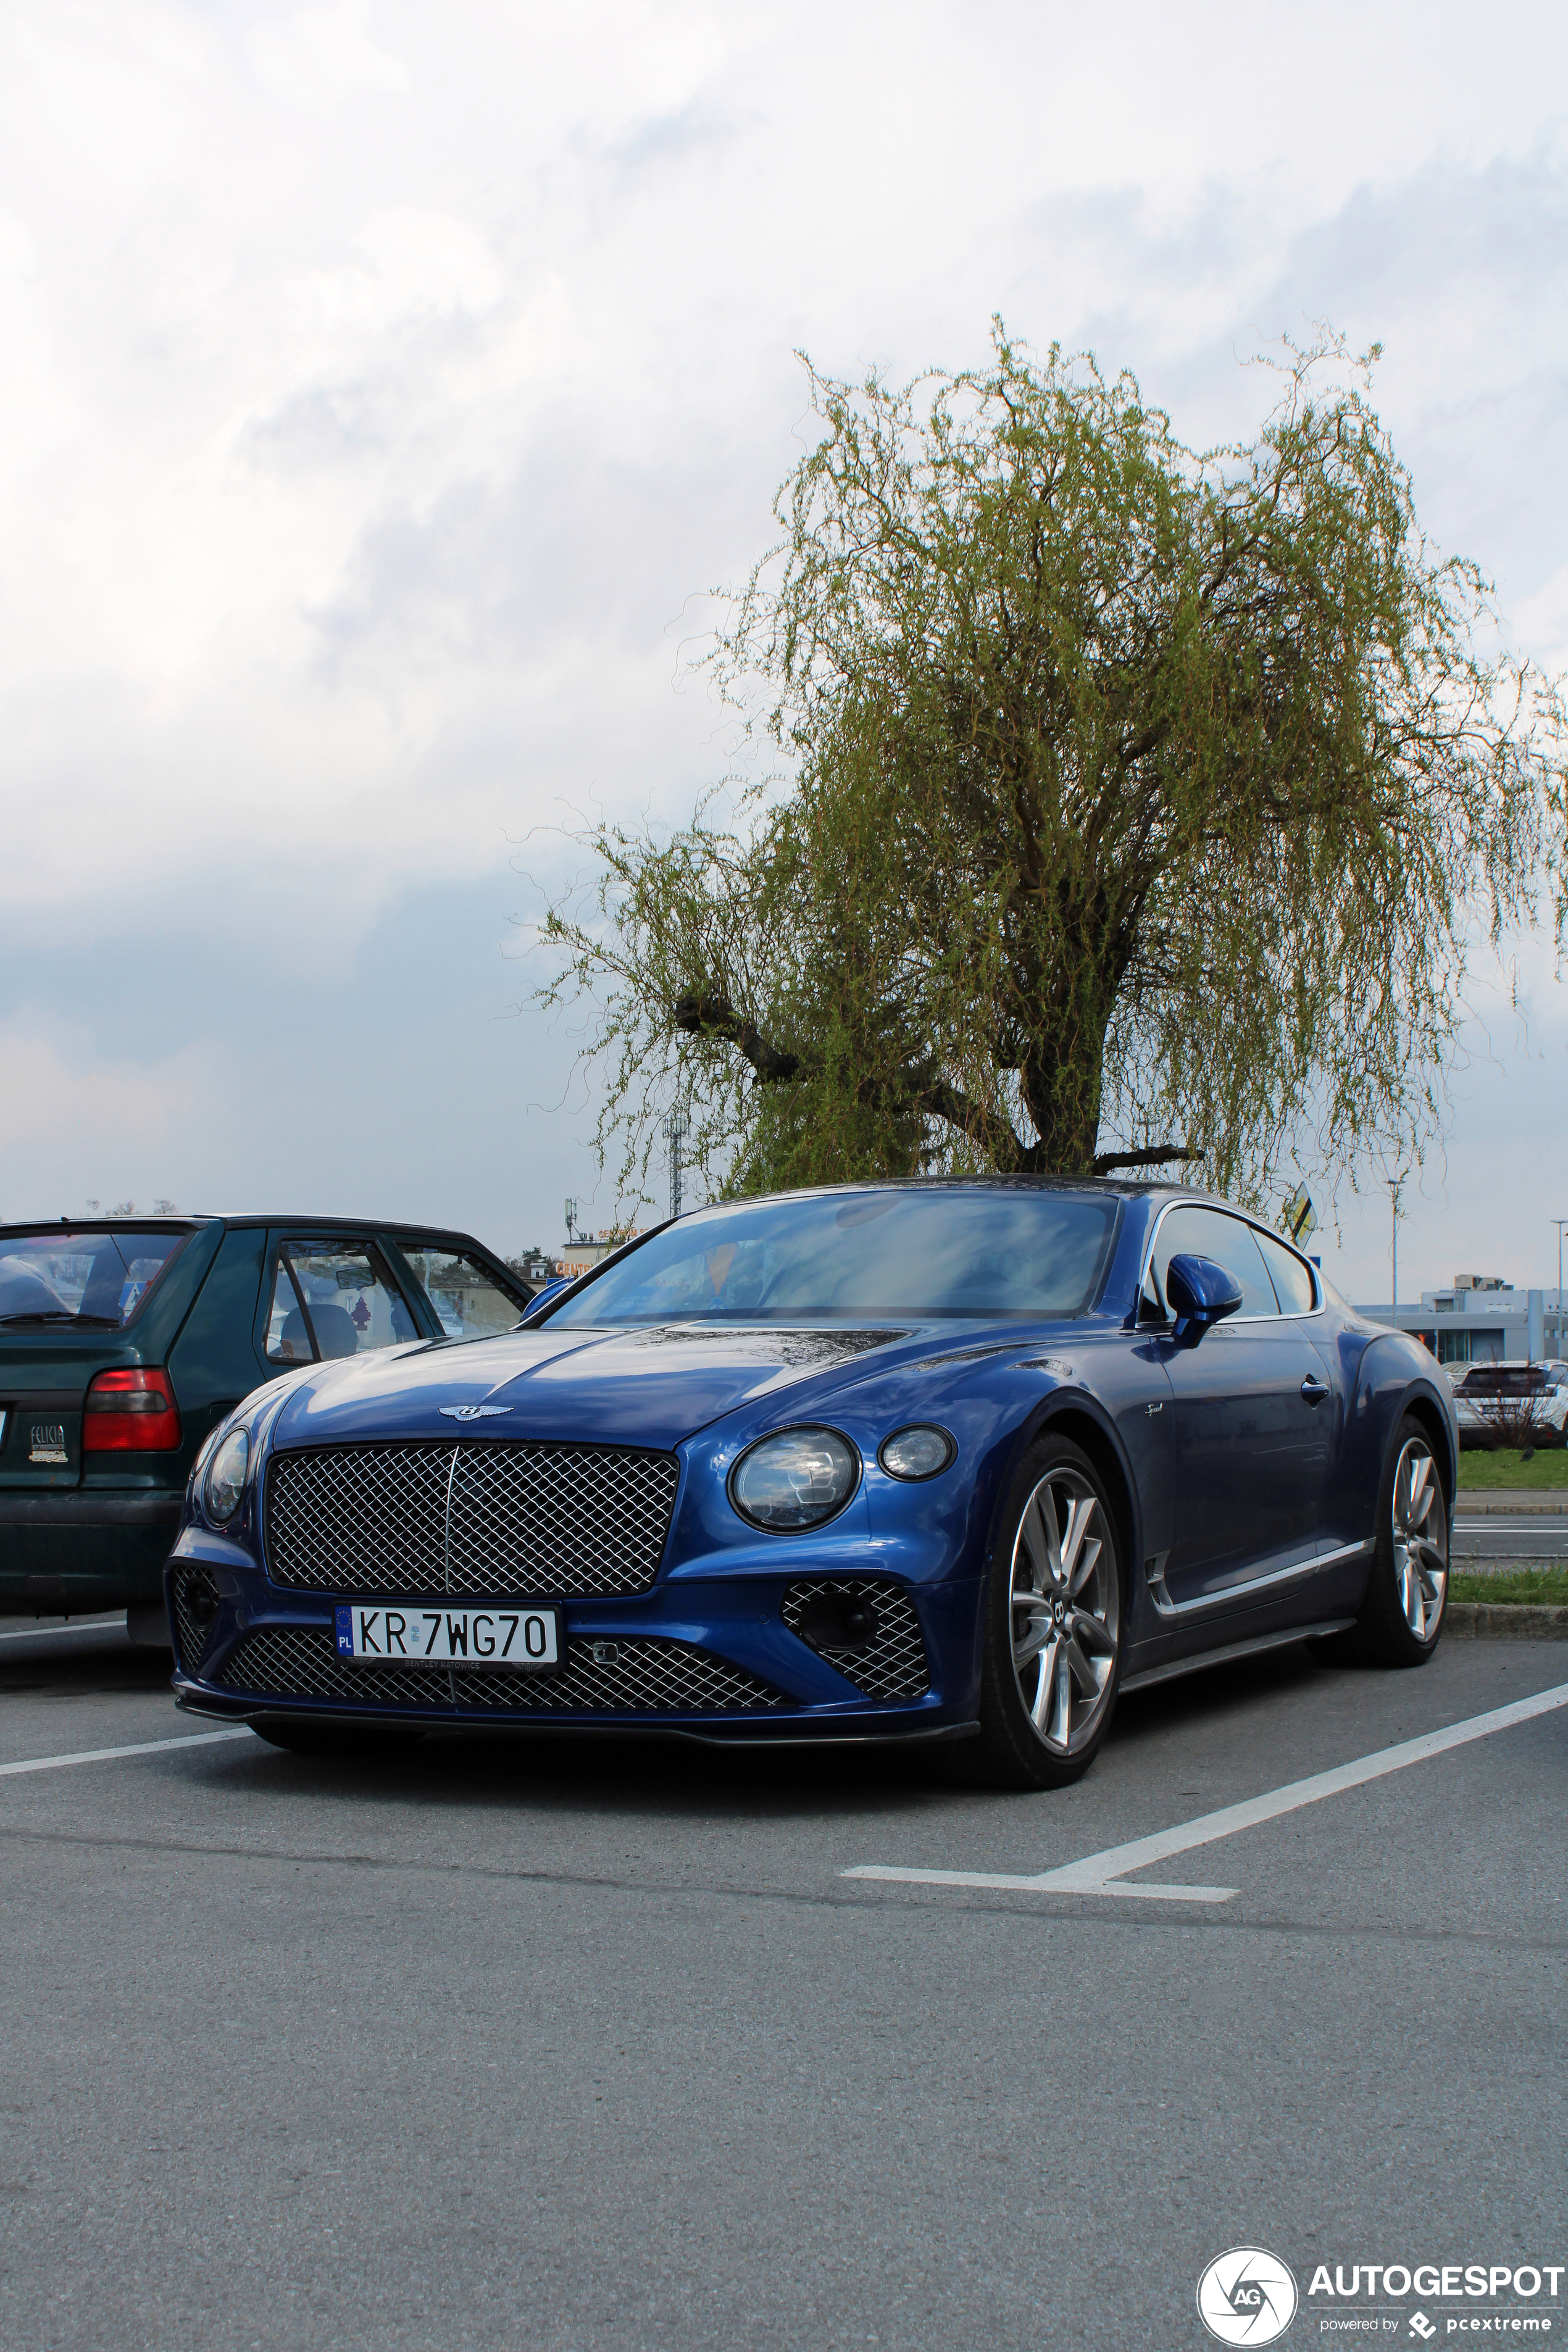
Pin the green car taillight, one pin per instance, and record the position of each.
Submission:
(129, 1412)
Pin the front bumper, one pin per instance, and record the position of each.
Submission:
(716, 1660)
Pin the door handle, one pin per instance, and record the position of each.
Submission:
(1314, 1389)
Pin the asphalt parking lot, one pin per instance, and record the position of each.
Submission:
(1501, 1540)
(575, 2044)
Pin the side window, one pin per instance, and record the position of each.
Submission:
(288, 1334)
(1292, 1276)
(332, 1298)
(1209, 1233)
(468, 1301)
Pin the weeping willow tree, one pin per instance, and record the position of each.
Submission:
(1133, 801)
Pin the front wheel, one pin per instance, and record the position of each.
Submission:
(1053, 1628)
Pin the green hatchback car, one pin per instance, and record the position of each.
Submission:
(124, 1341)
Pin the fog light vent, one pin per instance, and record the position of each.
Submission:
(867, 1628)
(195, 1614)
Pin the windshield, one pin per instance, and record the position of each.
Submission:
(93, 1279)
(948, 1252)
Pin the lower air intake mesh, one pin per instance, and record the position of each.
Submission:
(195, 1614)
(638, 1677)
(891, 1663)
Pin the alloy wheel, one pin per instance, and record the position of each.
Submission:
(1065, 1609)
(1420, 1539)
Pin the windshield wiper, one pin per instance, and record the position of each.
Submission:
(64, 1315)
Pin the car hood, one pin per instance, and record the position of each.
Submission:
(646, 1386)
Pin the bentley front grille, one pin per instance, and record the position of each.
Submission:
(645, 1677)
(421, 1521)
(866, 1628)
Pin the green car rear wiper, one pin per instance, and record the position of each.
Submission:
(64, 1315)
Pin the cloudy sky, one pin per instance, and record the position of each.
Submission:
(385, 385)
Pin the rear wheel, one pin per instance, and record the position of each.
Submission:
(1053, 1630)
(1401, 1619)
(372, 1744)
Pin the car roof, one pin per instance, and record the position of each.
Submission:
(1142, 1188)
(231, 1220)
(338, 1223)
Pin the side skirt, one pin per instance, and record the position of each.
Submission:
(1221, 1657)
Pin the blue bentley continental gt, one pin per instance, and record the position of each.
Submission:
(945, 1460)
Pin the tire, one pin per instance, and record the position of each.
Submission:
(1053, 1627)
(371, 1745)
(1400, 1622)
(147, 1625)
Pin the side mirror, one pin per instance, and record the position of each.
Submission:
(1199, 1293)
(562, 1282)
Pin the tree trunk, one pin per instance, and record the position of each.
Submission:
(1063, 1073)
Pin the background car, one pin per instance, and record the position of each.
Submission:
(1513, 1403)
(125, 1341)
(944, 1460)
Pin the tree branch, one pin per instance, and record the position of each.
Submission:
(715, 1016)
(1160, 1159)
(994, 1135)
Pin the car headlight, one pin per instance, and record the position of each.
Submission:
(917, 1453)
(203, 1455)
(797, 1479)
(226, 1478)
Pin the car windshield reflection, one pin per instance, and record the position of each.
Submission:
(894, 1255)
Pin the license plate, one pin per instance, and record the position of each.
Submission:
(415, 1635)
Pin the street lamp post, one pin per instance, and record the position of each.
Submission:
(1395, 1186)
(1560, 1223)
(676, 1127)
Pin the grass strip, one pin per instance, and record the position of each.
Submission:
(1544, 1472)
(1544, 1588)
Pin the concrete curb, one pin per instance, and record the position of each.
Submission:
(1497, 1620)
(1486, 1563)
(1500, 1505)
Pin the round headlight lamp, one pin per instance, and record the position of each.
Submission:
(798, 1479)
(917, 1453)
(227, 1475)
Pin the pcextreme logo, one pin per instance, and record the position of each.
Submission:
(1246, 2296)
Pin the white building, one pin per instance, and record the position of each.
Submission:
(1481, 1319)
(582, 1251)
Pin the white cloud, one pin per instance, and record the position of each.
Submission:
(381, 382)
(319, 57)
(66, 1102)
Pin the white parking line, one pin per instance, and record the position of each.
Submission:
(1532, 1523)
(53, 1632)
(1102, 1873)
(142, 1748)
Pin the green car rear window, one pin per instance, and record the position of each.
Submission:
(95, 1279)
